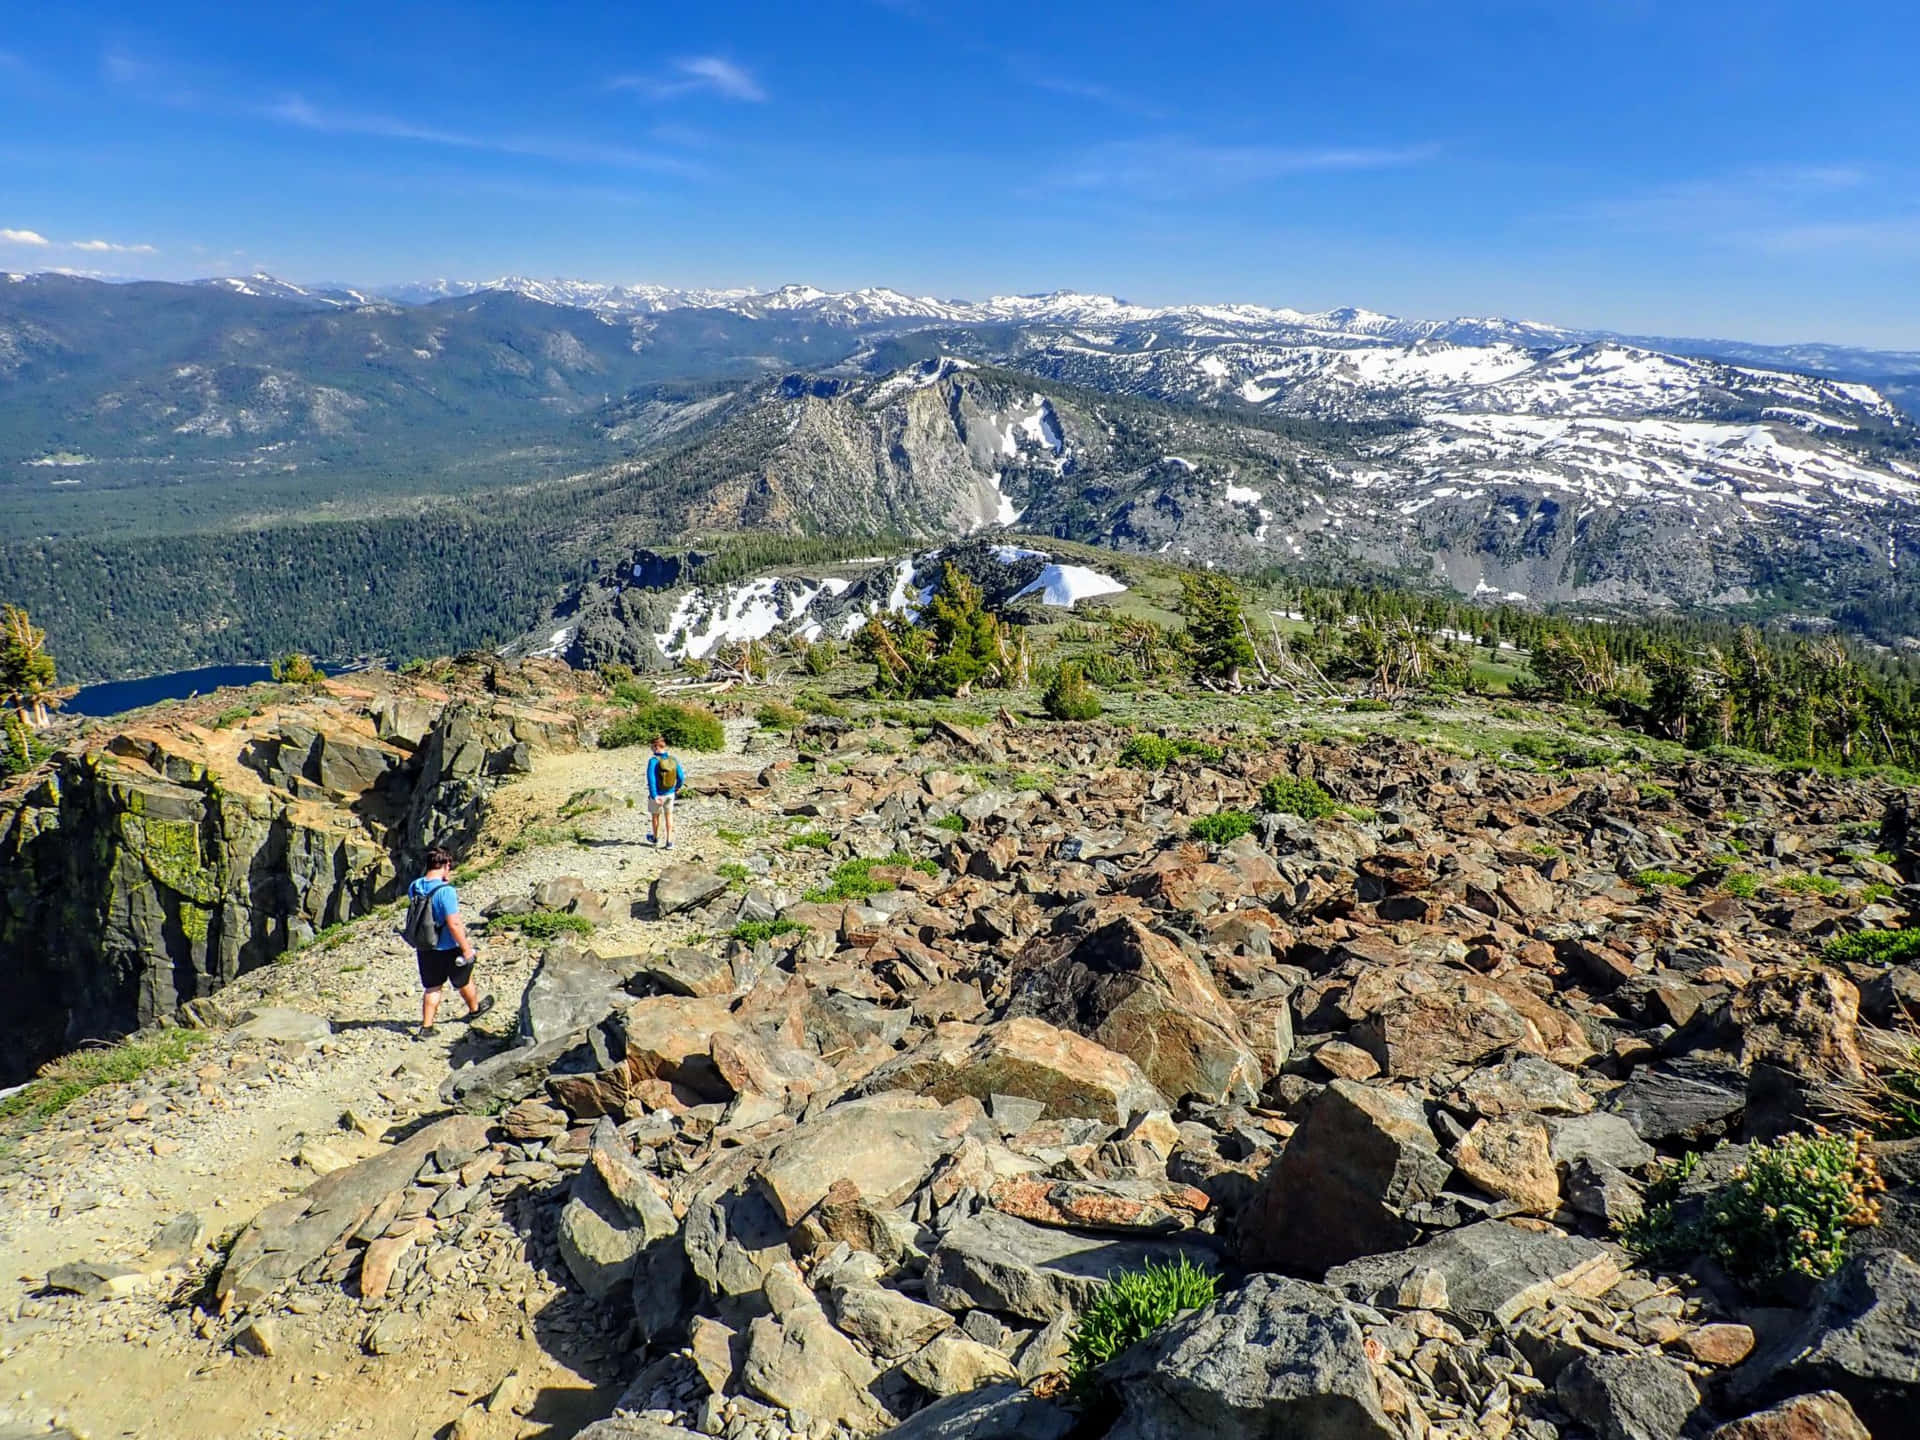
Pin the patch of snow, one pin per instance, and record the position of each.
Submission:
(1065, 585)
(1242, 494)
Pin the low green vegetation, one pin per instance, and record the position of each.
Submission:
(855, 880)
(1292, 795)
(1069, 695)
(1221, 827)
(808, 840)
(1131, 1306)
(734, 872)
(540, 924)
(63, 1081)
(685, 727)
(752, 932)
(1741, 884)
(778, 715)
(297, 669)
(1790, 1210)
(536, 835)
(955, 822)
(1156, 752)
(1809, 885)
(1874, 947)
(1662, 879)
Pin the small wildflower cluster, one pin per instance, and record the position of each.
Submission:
(1788, 1211)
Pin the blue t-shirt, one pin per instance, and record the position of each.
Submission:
(656, 767)
(445, 902)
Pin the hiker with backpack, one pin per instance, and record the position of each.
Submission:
(438, 934)
(664, 778)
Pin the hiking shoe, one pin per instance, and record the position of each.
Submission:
(486, 1004)
(423, 1032)
(669, 845)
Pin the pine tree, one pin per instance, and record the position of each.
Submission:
(1216, 629)
(27, 675)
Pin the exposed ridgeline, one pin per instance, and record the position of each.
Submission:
(158, 861)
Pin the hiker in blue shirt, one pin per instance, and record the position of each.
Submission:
(450, 957)
(664, 777)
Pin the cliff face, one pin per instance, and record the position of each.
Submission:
(157, 863)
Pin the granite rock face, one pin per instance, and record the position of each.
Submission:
(151, 870)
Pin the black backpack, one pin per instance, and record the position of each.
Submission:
(420, 929)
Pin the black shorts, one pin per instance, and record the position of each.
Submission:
(437, 967)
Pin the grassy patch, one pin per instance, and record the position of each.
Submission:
(778, 715)
(734, 871)
(1662, 879)
(855, 880)
(808, 840)
(1809, 885)
(1874, 947)
(1741, 885)
(1156, 752)
(1221, 827)
(1131, 1306)
(955, 823)
(535, 835)
(540, 924)
(752, 932)
(63, 1081)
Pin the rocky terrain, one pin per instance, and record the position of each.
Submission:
(834, 1121)
(158, 861)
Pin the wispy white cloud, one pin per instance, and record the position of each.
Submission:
(698, 75)
(23, 237)
(1173, 164)
(296, 110)
(1836, 209)
(109, 247)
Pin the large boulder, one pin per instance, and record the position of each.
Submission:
(996, 1262)
(1628, 1397)
(993, 1412)
(1069, 1074)
(681, 887)
(1491, 1268)
(1339, 1189)
(1138, 993)
(1860, 1336)
(885, 1144)
(287, 1236)
(572, 988)
(1278, 1357)
(1824, 1415)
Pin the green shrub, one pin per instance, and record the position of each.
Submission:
(614, 673)
(1221, 827)
(734, 872)
(540, 924)
(1661, 879)
(1877, 890)
(1131, 1306)
(778, 715)
(1366, 705)
(752, 932)
(818, 702)
(632, 692)
(688, 727)
(808, 840)
(232, 716)
(820, 657)
(297, 669)
(1874, 947)
(855, 880)
(1068, 695)
(955, 823)
(63, 1081)
(20, 748)
(1741, 885)
(1788, 1211)
(1292, 795)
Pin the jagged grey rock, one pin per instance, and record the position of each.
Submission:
(1276, 1357)
(1628, 1397)
(1490, 1268)
(1004, 1264)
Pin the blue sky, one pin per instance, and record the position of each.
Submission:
(1704, 168)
